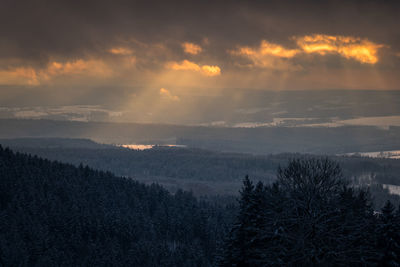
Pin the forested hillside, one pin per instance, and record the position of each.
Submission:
(204, 172)
(189, 163)
(55, 214)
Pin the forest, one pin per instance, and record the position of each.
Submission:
(205, 172)
(56, 214)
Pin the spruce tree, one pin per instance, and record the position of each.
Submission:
(389, 236)
(308, 217)
(238, 243)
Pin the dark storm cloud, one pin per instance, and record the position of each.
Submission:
(38, 30)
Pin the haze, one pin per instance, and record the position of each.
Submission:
(138, 61)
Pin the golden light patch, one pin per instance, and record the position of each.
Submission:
(78, 67)
(268, 55)
(19, 76)
(206, 70)
(355, 48)
(167, 94)
(211, 70)
(266, 49)
(123, 51)
(31, 76)
(191, 48)
(184, 65)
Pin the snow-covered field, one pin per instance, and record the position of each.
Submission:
(390, 154)
(393, 189)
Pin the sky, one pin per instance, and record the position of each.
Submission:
(141, 54)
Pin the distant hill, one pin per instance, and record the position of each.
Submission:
(260, 140)
(53, 143)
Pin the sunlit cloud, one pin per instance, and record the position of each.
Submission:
(168, 95)
(206, 70)
(266, 49)
(34, 77)
(191, 48)
(79, 67)
(275, 56)
(19, 76)
(123, 51)
(184, 65)
(268, 55)
(145, 63)
(355, 48)
(211, 70)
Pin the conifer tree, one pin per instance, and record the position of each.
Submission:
(308, 217)
(237, 248)
(389, 236)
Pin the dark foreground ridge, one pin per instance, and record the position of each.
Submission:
(54, 214)
(310, 217)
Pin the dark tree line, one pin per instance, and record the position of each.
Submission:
(54, 214)
(190, 163)
(311, 217)
(196, 165)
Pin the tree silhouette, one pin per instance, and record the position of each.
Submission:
(308, 217)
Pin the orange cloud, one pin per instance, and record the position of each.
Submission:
(123, 51)
(191, 48)
(19, 76)
(206, 70)
(268, 55)
(355, 48)
(167, 94)
(266, 49)
(211, 70)
(184, 65)
(78, 67)
(32, 76)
